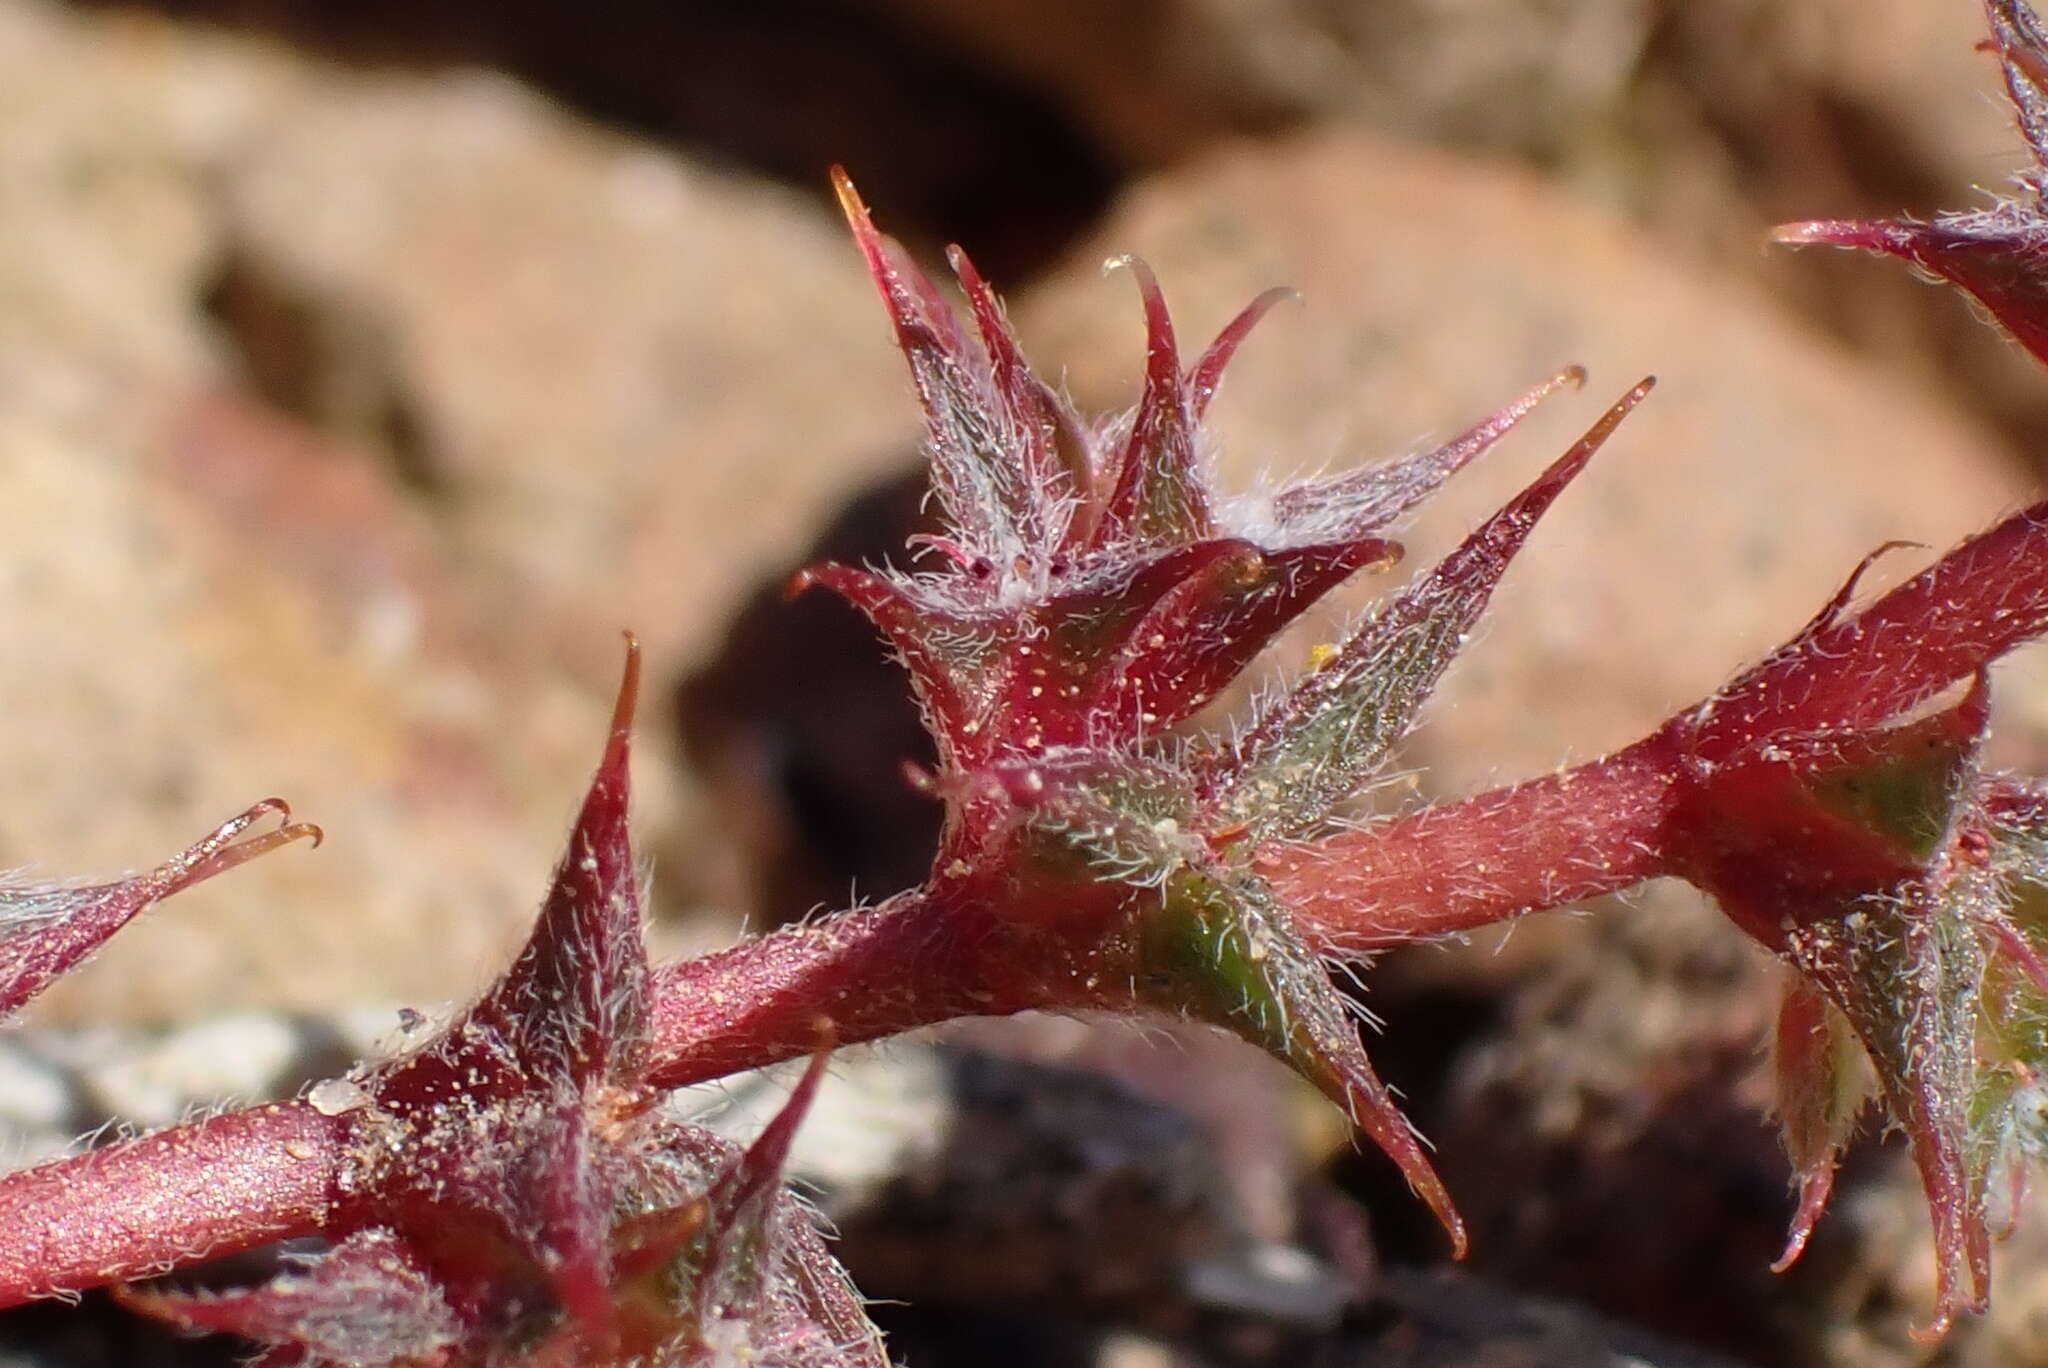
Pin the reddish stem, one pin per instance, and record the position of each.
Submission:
(859, 976)
(214, 1187)
(1546, 842)
(246, 1178)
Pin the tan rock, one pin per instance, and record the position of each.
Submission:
(643, 383)
(1705, 123)
(546, 384)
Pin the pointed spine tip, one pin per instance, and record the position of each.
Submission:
(223, 849)
(1494, 428)
(1461, 1241)
(1207, 372)
(1372, 1111)
(850, 203)
(1148, 283)
(628, 700)
(1158, 323)
(246, 818)
(240, 853)
(618, 746)
(1438, 1199)
(963, 267)
(1869, 235)
(1831, 611)
(987, 312)
(761, 1170)
(1804, 233)
(1604, 428)
(1936, 1330)
(1429, 1186)
(865, 236)
(1572, 377)
(1813, 1200)
(1574, 460)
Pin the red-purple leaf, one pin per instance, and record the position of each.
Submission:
(760, 1285)
(1309, 749)
(574, 1000)
(2000, 259)
(1224, 952)
(1906, 977)
(953, 655)
(1200, 635)
(1999, 256)
(1797, 827)
(984, 482)
(1840, 842)
(481, 1147)
(366, 1301)
(47, 931)
(1158, 497)
(1207, 372)
(747, 1206)
(1033, 418)
(1373, 497)
(1112, 656)
(1823, 1083)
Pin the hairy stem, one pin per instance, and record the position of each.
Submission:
(1598, 828)
(842, 980)
(243, 1179)
(210, 1188)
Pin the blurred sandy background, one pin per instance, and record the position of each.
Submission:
(364, 369)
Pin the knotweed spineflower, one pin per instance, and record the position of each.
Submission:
(515, 1186)
(1094, 590)
(510, 1190)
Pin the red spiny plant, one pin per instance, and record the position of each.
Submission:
(512, 1190)
(1994, 254)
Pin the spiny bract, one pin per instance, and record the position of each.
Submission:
(1093, 591)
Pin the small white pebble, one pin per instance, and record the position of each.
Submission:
(243, 1056)
(333, 1096)
(32, 1094)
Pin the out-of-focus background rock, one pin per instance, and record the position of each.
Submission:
(364, 369)
(347, 419)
